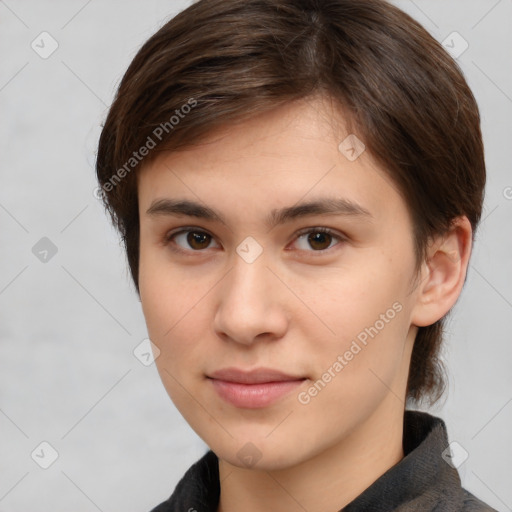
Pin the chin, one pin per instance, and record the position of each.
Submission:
(259, 454)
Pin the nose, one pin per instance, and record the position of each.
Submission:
(252, 303)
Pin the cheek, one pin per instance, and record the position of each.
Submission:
(160, 304)
(172, 304)
(174, 329)
(368, 313)
(354, 375)
(162, 291)
(356, 299)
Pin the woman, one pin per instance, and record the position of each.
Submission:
(298, 184)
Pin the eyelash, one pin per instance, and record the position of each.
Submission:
(168, 239)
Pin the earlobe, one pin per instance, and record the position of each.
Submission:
(443, 273)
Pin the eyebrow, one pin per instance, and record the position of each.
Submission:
(322, 206)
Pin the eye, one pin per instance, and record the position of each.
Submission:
(196, 239)
(318, 238)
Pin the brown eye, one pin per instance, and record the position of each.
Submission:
(318, 239)
(189, 240)
(198, 240)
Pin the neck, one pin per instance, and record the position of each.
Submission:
(328, 481)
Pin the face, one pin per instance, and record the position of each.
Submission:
(321, 294)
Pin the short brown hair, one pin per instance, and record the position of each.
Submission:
(231, 59)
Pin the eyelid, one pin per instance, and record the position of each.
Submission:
(313, 229)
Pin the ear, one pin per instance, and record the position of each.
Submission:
(443, 273)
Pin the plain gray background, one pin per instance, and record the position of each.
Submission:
(69, 325)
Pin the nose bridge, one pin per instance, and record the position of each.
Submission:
(246, 285)
(249, 302)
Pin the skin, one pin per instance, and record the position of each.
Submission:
(295, 308)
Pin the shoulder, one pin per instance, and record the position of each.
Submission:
(470, 503)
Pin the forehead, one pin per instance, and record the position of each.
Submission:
(275, 159)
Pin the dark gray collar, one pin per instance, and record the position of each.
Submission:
(422, 480)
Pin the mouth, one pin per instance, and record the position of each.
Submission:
(253, 389)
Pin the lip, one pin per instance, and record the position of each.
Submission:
(255, 376)
(253, 389)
